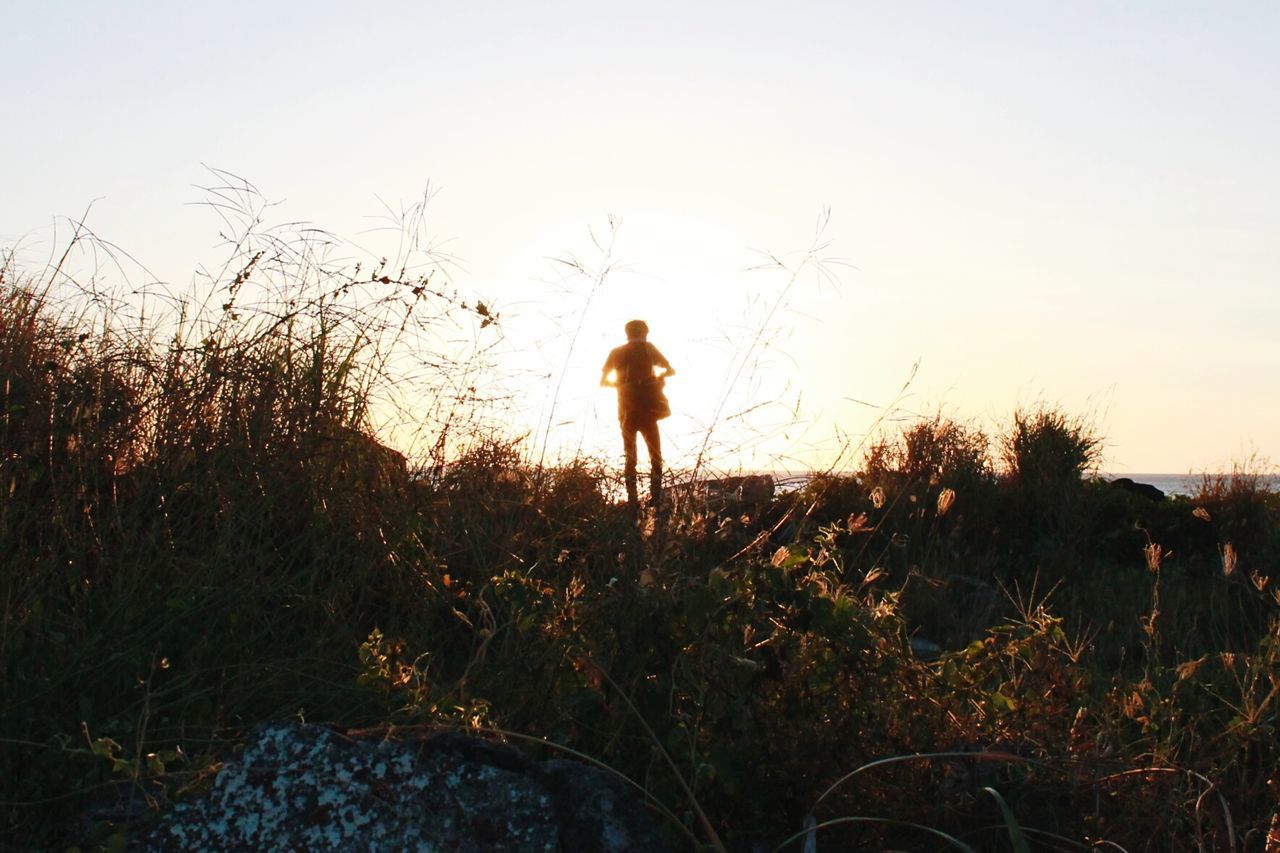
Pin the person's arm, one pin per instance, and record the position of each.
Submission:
(608, 368)
(660, 360)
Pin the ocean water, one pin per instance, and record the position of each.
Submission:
(1188, 484)
(1171, 484)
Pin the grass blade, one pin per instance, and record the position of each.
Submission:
(950, 839)
(1016, 836)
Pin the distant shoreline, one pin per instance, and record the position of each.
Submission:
(1184, 485)
(1188, 484)
(1171, 484)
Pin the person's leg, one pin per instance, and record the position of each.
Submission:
(653, 441)
(629, 472)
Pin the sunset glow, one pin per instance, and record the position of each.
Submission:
(1028, 202)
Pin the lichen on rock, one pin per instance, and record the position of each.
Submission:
(298, 786)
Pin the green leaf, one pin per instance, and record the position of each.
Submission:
(1001, 702)
(1016, 837)
(795, 559)
(951, 674)
(105, 747)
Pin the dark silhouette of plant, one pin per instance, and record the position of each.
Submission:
(1046, 455)
(1046, 450)
(931, 453)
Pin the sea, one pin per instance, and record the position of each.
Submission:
(1185, 485)
(1170, 484)
(1189, 484)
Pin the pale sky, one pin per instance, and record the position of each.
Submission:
(1068, 202)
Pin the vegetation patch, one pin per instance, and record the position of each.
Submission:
(969, 641)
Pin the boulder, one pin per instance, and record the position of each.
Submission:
(756, 489)
(310, 787)
(1145, 490)
(750, 490)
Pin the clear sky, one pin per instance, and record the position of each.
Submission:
(1070, 202)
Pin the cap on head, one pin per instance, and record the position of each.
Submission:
(637, 330)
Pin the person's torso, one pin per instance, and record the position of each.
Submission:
(634, 363)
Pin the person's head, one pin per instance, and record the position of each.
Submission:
(637, 330)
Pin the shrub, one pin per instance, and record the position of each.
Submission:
(1242, 510)
(933, 453)
(1046, 454)
(1047, 451)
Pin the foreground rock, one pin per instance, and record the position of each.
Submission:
(306, 787)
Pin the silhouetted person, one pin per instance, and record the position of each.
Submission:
(639, 372)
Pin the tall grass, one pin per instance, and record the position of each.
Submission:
(194, 515)
(200, 531)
